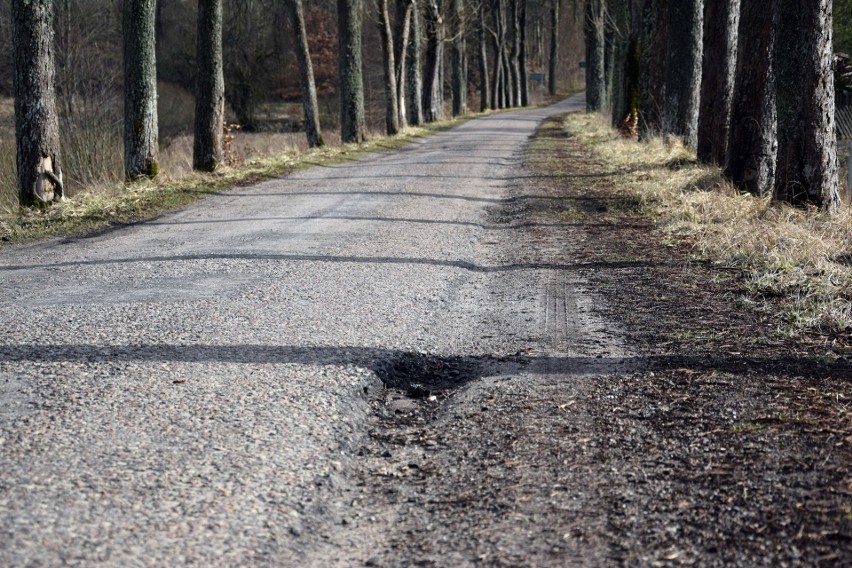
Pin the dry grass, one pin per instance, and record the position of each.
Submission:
(800, 260)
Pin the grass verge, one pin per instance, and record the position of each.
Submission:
(796, 263)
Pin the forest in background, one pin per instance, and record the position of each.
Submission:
(261, 80)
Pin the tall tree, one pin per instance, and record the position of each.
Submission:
(554, 46)
(498, 35)
(313, 130)
(619, 18)
(141, 152)
(402, 32)
(433, 92)
(515, 53)
(522, 55)
(459, 55)
(652, 67)
(683, 70)
(721, 20)
(415, 68)
(594, 23)
(207, 150)
(485, 101)
(807, 143)
(352, 121)
(36, 119)
(752, 142)
(389, 64)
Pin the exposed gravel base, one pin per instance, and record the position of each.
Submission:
(193, 390)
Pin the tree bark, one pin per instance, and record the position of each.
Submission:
(721, 21)
(36, 120)
(207, 151)
(433, 108)
(683, 70)
(352, 121)
(522, 56)
(652, 67)
(459, 56)
(389, 64)
(752, 142)
(554, 46)
(620, 18)
(313, 131)
(415, 65)
(595, 16)
(514, 54)
(402, 32)
(485, 101)
(498, 93)
(807, 141)
(141, 152)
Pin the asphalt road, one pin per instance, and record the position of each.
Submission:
(194, 389)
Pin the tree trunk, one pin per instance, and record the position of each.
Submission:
(352, 121)
(485, 101)
(207, 152)
(752, 142)
(683, 70)
(433, 89)
(514, 54)
(595, 16)
(652, 67)
(459, 58)
(389, 64)
(522, 56)
(402, 31)
(36, 119)
(498, 35)
(620, 18)
(554, 46)
(141, 152)
(721, 21)
(415, 65)
(313, 130)
(807, 141)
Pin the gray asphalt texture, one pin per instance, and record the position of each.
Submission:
(191, 390)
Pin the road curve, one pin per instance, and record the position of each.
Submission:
(192, 389)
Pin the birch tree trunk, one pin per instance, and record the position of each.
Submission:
(389, 64)
(352, 121)
(752, 142)
(36, 119)
(313, 131)
(141, 152)
(807, 140)
(207, 151)
(721, 21)
(683, 70)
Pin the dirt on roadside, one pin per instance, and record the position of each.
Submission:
(719, 442)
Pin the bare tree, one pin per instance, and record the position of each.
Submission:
(207, 151)
(415, 67)
(459, 57)
(402, 33)
(352, 121)
(485, 101)
(807, 142)
(522, 55)
(433, 92)
(389, 64)
(141, 152)
(752, 141)
(554, 45)
(721, 20)
(313, 131)
(36, 119)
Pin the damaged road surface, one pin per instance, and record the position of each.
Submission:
(399, 360)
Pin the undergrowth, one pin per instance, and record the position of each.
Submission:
(798, 260)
